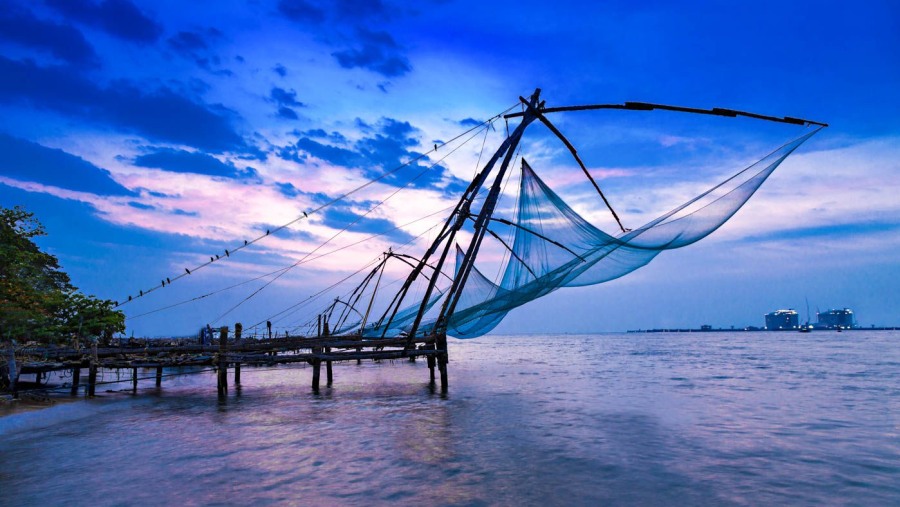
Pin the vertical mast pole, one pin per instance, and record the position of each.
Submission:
(451, 227)
(531, 114)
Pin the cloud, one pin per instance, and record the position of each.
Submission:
(376, 51)
(161, 115)
(64, 42)
(197, 46)
(343, 215)
(181, 161)
(301, 11)
(346, 24)
(119, 18)
(285, 98)
(32, 162)
(469, 123)
(281, 70)
(390, 144)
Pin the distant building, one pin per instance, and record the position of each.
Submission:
(834, 319)
(780, 320)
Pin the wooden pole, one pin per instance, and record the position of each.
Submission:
(442, 359)
(76, 379)
(159, 370)
(134, 380)
(238, 329)
(92, 371)
(431, 368)
(317, 369)
(328, 375)
(223, 361)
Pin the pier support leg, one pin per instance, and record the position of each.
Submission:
(238, 329)
(92, 371)
(223, 362)
(431, 363)
(442, 365)
(134, 379)
(328, 374)
(76, 379)
(92, 380)
(442, 359)
(159, 376)
(317, 369)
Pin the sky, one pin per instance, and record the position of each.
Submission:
(151, 137)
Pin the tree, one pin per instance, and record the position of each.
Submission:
(37, 299)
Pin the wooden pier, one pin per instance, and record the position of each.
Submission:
(233, 353)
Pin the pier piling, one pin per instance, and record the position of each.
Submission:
(159, 371)
(76, 378)
(328, 375)
(238, 329)
(92, 371)
(317, 368)
(223, 361)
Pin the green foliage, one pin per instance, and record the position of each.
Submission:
(37, 299)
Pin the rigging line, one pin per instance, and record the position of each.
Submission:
(545, 238)
(504, 260)
(480, 153)
(197, 298)
(303, 303)
(401, 246)
(326, 289)
(169, 280)
(511, 252)
(373, 236)
(345, 229)
(311, 298)
(426, 231)
(587, 173)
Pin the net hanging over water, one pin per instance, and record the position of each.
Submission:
(553, 247)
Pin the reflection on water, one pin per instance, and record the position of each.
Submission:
(638, 419)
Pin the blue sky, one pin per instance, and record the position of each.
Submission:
(149, 136)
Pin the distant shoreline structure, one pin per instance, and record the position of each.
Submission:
(710, 329)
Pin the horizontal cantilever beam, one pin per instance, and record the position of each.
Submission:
(646, 106)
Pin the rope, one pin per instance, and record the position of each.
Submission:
(345, 229)
(215, 258)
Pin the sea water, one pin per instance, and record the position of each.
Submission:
(736, 418)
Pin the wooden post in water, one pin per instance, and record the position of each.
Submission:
(317, 370)
(92, 371)
(159, 370)
(223, 361)
(238, 329)
(431, 368)
(134, 379)
(328, 374)
(76, 379)
(442, 359)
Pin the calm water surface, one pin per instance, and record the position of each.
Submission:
(636, 419)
